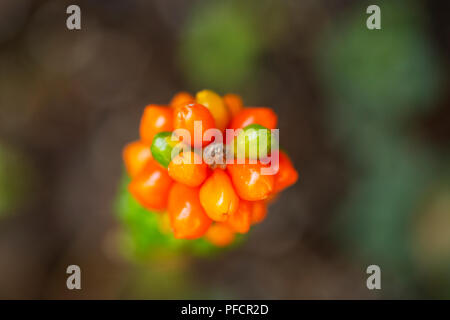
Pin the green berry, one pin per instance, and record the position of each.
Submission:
(162, 147)
(254, 141)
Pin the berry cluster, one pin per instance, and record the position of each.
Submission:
(200, 197)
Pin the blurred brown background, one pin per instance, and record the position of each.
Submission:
(365, 116)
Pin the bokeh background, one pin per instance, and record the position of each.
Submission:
(365, 116)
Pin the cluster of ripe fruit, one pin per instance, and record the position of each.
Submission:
(200, 198)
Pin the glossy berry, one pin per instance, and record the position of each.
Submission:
(188, 168)
(240, 221)
(233, 103)
(185, 118)
(181, 99)
(155, 119)
(263, 116)
(249, 181)
(135, 156)
(216, 106)
(259, 211)
(253, 142)
(187, 217)
(218, 196)
(162, 147)
(287, 175)
(151, 186)
(220, 235)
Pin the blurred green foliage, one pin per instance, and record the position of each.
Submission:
(219, 46)
(383, 201)
(383, 75)
(376, 80)
(17, 177)
(431, 239)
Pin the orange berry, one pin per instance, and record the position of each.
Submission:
(234, 103)
(185, 116)
(219, 235)
(263, 116)
(287, 175)
(241, 219)
(188, 168)
(248, 181)
(218, 197)
(155, 119)
(135, 156)
(216, 106)
(259, 211)
(187, 217)
(151, 186)
(181, 99)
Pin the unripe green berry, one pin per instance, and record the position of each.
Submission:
(253, 142)
(162, 147)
